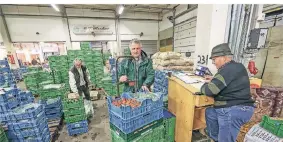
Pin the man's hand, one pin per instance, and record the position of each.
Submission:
(145, 89)
(207, 78)
(123, 78)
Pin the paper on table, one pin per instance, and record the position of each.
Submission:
(197, 85)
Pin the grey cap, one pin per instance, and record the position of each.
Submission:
(220, 50)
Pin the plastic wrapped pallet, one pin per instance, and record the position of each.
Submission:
(258, 134)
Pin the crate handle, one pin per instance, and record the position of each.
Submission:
(146, 114)
(29, 109)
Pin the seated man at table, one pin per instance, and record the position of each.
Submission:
(230, 88)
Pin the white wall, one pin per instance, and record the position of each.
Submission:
(23, 29)
(81, 21)
(210, 32)
(165, 23)
(132, 29)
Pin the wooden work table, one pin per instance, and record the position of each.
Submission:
(188, 108)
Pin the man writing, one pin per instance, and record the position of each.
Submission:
(230, 88)
(126, 69)
(79, 79)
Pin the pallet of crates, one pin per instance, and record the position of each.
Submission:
(132, 111)
(149, 133)
(169, 122)
(75, 116)
(28, 123)
(53, 91)
(3, 137)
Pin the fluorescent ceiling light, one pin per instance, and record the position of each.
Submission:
(55, 7)
(121, 9)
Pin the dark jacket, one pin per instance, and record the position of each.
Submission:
(146, 72)
(77, 75)
(230, 86)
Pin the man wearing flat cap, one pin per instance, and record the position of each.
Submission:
(230, 88)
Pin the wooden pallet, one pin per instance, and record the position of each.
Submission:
(54, 127)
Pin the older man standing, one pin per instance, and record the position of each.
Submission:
(230, 88)
(79, 79)
(143, 65)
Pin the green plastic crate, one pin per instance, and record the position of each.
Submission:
(154, 135)
(71, 103)
(74, 111)
(75, 118)
(3, 137)
(273, 126)
(137, 133)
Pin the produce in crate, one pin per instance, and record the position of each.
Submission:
(126, 102)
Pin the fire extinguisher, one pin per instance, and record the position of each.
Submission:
(253, 70)
(11, 59)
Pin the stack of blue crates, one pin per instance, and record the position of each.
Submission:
(28, 123)
(53, 108)
(17, 74)
(77, 127)
(8, 102)
(25, 97)
(161, 82)
(6, 76)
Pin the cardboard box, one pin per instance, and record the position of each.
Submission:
(255, 82)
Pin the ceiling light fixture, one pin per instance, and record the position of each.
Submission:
(55, 7)
(121, 9)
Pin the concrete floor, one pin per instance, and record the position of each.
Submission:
(98, 127)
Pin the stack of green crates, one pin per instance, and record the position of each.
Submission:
(60, 64)
(153, 132)
(44, 76)
(99, 68)
(3, 137)
(57, 79)
(169, 121)
(51, 91)
(110, 88)
(34, 69)
(74, 110)
(31, 81)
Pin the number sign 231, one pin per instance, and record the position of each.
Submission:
(202, 59)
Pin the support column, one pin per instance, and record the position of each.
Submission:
(7, 40)
(66, 27)
(211, 27)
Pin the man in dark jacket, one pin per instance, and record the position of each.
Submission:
(79, 79)
(126, 69)
(230, 88)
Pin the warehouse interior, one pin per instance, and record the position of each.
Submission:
(40, 44)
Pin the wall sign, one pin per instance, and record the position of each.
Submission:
(202, 59)
(92, 29)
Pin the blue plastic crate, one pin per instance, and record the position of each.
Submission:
(39, 137)
(28, 123)
(56, 103)
(54, 116)
(78, 131)
(81, 124)
(5, 70)
(32, 139)
(26, 132)
(130, 125)
(127, 112)
(53, 110)
(10, 105)
(4, 63)
(27, 111)
(8, 93)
